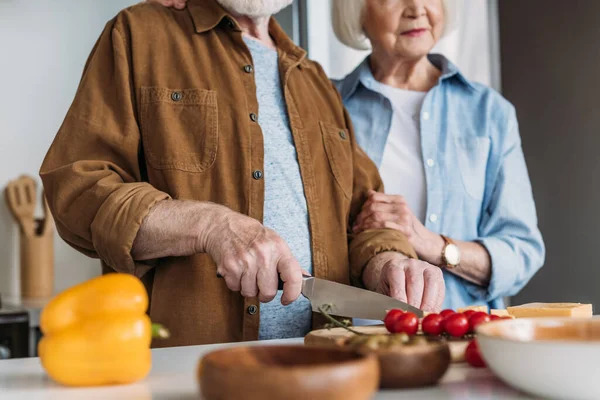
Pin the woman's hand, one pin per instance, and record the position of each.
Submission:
(392, 212)
(178, 4)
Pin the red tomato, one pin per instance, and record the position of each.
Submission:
(473, 356)
(390, 319)
(494, 317)
(468, 313)
(456, 325)
(447, 312)
(406, 323)
(432, 324)
(478, 318)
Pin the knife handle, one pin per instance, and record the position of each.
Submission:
(279, 281)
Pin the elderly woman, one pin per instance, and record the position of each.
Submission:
(448, 150)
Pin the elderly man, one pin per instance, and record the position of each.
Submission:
(210, 148)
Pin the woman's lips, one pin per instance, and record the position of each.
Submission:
(414, 32)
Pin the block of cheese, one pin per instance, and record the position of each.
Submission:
(474, 308)
(500, 313)
(533, 310)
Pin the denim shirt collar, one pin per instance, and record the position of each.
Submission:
(362, 73)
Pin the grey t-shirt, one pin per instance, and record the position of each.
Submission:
(285, 209)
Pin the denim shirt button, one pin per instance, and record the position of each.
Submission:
(433, 217)
(426, 116)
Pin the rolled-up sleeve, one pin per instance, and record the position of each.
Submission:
(91, 173)
(509, 227)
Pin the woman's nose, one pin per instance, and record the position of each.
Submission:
(414, 8)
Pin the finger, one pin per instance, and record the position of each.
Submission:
(364, 212)
(267, 281)
(441, 297)
(290, 273)
(306, 273)
(233, 282)
(415, 284)
(434, 284)
(381, 216)
(377, 212)
(387, 198)
(248, 283)
(397, 283)
(231, 273)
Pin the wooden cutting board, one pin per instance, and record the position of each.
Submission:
(332, 336)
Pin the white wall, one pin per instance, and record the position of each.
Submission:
(43, 47)
(470, 46)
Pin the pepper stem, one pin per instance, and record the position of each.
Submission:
(160, 332)
(335, 322)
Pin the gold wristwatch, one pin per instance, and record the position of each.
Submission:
(450, 253)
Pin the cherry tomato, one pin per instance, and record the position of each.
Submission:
(406, 323)
(468, 313)
(473, 355)
(494, 317)
(456, 325)
(390, 319)
(432, 324)
(447, 312)
(478, 318)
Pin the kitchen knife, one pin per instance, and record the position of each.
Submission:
(351, 302)
(348, 301)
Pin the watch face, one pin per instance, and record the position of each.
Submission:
(452, 254)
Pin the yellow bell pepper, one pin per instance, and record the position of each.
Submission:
(98, 333)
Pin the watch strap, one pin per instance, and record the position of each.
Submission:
(447, 241)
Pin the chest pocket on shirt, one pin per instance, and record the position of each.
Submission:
(473, 156)
(179, 128)
(339, 153)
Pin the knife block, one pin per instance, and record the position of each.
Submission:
(37, 265)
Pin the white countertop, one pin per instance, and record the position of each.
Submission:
(173, 377)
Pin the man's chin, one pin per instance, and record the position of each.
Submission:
(255, 8)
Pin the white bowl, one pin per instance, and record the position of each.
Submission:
(555, 358)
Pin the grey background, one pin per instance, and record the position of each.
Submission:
(550, 54)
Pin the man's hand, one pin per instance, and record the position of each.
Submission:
(416, 282)
(251, 257)
(178, 4)
(392, 212)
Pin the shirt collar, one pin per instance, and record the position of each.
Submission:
(362, 74)
(208, 14)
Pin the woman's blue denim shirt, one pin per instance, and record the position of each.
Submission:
(478, 187)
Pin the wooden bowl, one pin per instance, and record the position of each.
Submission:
(288, 372)
(412, 366)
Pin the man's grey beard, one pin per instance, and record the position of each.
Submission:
(255, 8)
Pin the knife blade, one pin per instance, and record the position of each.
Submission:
(348, 301)
(351, 302)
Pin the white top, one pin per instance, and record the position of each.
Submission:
(173, 376)
(401, 167)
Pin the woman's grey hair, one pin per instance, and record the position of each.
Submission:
(347, 17)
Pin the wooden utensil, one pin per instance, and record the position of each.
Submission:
(333, 336)
(288, 372)
(36, 239)
(20, 197)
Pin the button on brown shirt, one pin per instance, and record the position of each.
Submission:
(167, 109)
